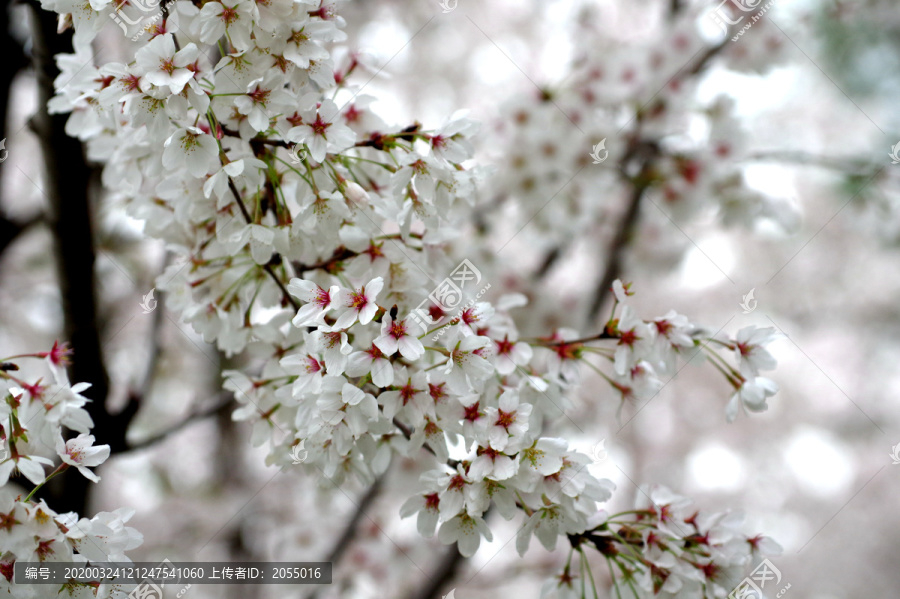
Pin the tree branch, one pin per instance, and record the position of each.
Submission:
(446, 571)
(215, 410)
(344, 541)
(67, 182)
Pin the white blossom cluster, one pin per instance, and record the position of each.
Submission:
(665, 548)
(639, 97)
(309, 231)
(33, 418)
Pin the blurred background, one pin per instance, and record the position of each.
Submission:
(810, 93)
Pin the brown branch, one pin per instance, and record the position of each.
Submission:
(446, 571)
(268, 267)
(624, 233)
(66, 185)
(215, 410)
(346, 539)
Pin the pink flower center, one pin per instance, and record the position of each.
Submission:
(322, 299)
(312, 365)
(472, 412)
(358, 300)
(398, 329)
(319, 126)
(407, 392)
(506, 419)
(504, 347)
(437, 392)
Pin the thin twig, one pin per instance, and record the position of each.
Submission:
(219, 408)
(268, 268)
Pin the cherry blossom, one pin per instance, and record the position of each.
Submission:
(81, 453)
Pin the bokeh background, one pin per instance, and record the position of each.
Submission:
(816, 129)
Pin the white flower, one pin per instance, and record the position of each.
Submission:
(752, 395)
(192, 148)
(218, 18)
(508, 423)
(371, 361)
(79, 452)
(467, 361)
(161, 65)
(751, 354)
(318, 301)
(427, 508)
(28, 465)
(263, 100)
(409, 397)
(466, 531)
(511, 354)
(321, 131)
(493, 464)
(309, 372)
(395, 337)
(359, 304)
(545, 456)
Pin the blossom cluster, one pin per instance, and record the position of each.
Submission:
(308, 230)
(664, 548)
(662, 144)
(34, 417)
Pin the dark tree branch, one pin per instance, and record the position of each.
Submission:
(218, 409)
(617, 249)
(66, 185)
(346, 539)
(445, 571)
